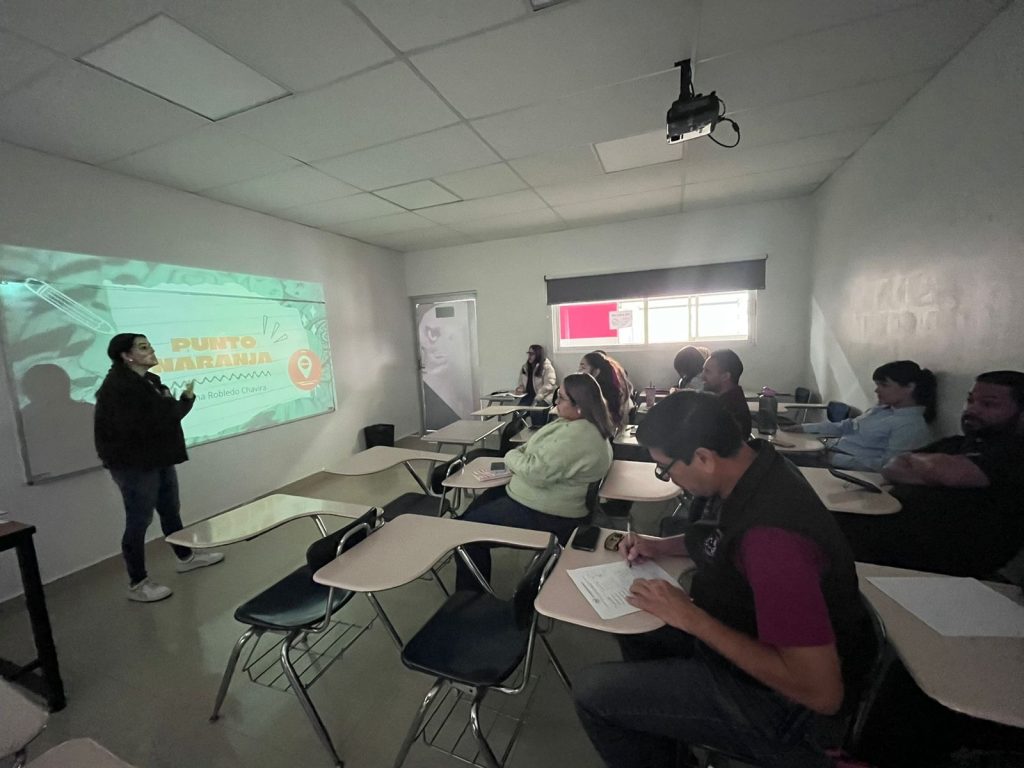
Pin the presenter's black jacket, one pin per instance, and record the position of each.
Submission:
(138, 421)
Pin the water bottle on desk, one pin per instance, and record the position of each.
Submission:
(767, 412)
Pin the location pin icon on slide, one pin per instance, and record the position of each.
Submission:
(305, 365)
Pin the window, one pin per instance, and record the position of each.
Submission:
(664, 320)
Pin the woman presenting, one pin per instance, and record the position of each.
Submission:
(550, 474)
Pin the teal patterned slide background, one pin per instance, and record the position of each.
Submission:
(256, 347)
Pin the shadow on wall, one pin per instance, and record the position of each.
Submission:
(834, 377)
(57, 429)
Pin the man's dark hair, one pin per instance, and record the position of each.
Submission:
(1012, 379)
(686, 421)
(729, 362)
(122, 342)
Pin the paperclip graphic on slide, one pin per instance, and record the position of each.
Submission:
(77, 312)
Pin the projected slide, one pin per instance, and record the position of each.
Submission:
(256, 347)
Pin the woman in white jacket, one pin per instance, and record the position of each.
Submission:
(537, 382)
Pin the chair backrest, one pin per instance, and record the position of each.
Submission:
(801, 395)
(441, 471)
(837, 411)
(324, 550)
(531, 582)
(872, 682)
(510, 430)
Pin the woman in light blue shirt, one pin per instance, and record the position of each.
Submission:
(899, 423)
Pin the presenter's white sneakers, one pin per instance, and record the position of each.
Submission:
(198, 560)
(147, 591)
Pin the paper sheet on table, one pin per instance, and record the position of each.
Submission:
(955, 607)
(606, 586)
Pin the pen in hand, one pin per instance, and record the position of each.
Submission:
(629, 542)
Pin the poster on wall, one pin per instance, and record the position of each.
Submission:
(256, 347)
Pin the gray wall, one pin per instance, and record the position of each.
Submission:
(919, 248)
(51, 203)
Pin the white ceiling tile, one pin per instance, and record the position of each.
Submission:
(436, 20)
(77, 112)
(564, 50)
(614, 184)
(210, 157)
(484, 207)
(919, 37)
(601, 114)
(382, 225)
(301, 44)
(284, 189)
(419, 194)
(657, 202)
(636, 151)
(20, 60)
(788, 182)
(371, 108)
(419, 157)
(165, 58)
(512, 225)
(421, 239)
(734, 25)
(560, 166)
(334, 212)
(73, 26)
(482, 182)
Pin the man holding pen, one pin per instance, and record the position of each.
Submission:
(772, 633)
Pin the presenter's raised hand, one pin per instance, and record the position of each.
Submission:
(189, 390)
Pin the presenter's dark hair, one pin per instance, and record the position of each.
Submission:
(729, 362)
(538, 359)
(121, 343)
(686, 421)
(906, 372)
(689, 361)
(584, 392)
(1012, 379)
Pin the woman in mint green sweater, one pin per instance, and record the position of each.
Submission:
(550, 473)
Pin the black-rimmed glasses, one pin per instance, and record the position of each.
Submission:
(661, 470)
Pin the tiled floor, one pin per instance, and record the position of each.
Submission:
(141, 678)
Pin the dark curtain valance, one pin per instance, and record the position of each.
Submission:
(674, 281)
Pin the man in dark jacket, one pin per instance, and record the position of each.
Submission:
(139, 439)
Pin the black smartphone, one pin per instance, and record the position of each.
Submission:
(586, 538)
(870, 487)
(497, 466)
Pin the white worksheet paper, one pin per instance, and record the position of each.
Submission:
(955, 607)
(606, 586)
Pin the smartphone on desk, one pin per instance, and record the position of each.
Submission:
(586, 538)
(498, 466)
(870, 487)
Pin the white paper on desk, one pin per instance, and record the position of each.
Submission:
(955, 607)
(606, 586)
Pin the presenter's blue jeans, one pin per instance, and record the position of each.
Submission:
(144, 490)
(672, 691)
(496, 507)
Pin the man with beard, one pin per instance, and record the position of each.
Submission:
(962, 496)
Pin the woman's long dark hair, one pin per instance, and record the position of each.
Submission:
(584, 392)
(122, 342)
(689, 362)
(538, 360)
(611, 378)
(906, 372)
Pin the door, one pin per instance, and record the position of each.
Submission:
(446, 333)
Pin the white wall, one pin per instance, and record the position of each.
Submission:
(508, 277)
(57, 204)
(919, 250)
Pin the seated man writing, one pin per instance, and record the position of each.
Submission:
(961, 495)
(773, 630)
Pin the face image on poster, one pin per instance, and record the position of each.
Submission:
(256, 347)
(446, 353)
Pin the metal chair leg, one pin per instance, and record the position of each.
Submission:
(474, 720)
(440, 583)
(307, 704)
(417, 722)
(230, 670)
(559, 670)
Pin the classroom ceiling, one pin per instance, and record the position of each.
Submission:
(416, 124)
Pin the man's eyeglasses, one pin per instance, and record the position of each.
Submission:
(661, 470)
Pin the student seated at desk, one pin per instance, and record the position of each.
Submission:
(550, 474)
(689, 364)
(773, 631)
(722, 371)
(611, 378)
(537, 382)
(961, 495)
(906, 405)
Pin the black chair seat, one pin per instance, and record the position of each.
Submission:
(293, 602)
(416, 504)
(472, 639)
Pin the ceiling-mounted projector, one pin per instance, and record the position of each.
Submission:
(694, 115)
